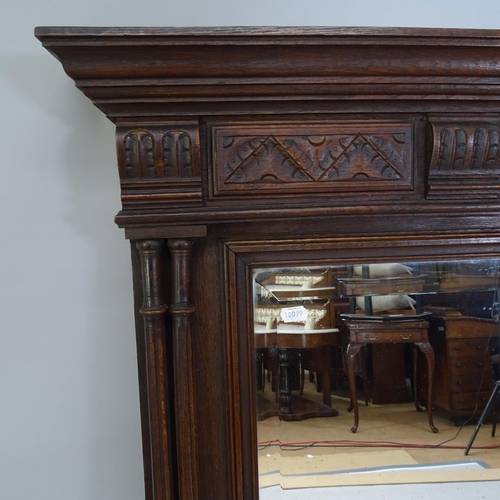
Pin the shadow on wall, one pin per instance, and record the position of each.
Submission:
(87, 163)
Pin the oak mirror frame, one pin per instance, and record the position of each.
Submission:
(243, 257)
(248, 148)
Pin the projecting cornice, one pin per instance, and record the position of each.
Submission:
(231, 125)
(130, 72)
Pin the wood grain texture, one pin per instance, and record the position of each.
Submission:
(217, 67)
(182, 311)
(153, 311)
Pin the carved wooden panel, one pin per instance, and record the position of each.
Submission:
(330, 157)
(159, 165)
(465, 159)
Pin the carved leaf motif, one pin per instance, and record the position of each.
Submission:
(447, 149)
(139, 154)
(492, 159)
(457, 154)
(461, 149)
(453, 149)
(365, 159)
(177, 154)
(486, 148)
(466, 153)
(266, 160)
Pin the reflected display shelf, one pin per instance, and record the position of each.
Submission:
(415, 285)
(381, 286)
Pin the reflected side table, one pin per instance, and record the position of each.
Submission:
(294, 407)
(412, 329)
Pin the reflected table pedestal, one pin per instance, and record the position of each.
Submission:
(293, 407)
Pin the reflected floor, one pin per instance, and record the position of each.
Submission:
(337, 448)
(487, 490)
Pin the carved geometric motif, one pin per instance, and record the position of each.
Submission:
(299, 159)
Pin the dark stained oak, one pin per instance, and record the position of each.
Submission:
(153, 311)
(182, 312)
(246, 148)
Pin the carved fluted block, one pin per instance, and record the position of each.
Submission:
(465, 160)
(159, 165)
(139, 154)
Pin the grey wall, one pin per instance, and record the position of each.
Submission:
(69, 416)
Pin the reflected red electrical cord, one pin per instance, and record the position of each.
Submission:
(294, 446)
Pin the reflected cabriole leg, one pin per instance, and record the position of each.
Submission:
(352, 350)
(428, 351)
(153, 311)
(415, 377)
(182, 311)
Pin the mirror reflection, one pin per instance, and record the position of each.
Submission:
(372, 364)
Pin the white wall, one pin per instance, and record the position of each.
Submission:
(69, 416)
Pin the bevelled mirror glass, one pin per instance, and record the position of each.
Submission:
(367, 367)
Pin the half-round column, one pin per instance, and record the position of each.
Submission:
(153, 311)
(182, 311)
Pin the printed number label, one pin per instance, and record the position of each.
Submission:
(293, 314)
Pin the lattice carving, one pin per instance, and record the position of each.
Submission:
(299, 159)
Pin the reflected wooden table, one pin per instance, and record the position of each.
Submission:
(414, 331)
(293, 407)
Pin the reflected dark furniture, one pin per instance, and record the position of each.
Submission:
(387, 381)
(245, 148)
(463, 377)
(293, 407)
(365, 331)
